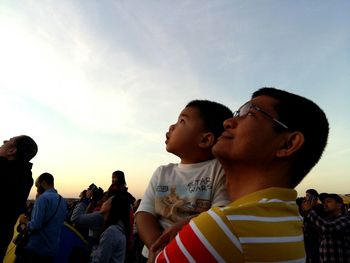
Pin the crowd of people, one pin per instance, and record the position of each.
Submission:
(231, 197)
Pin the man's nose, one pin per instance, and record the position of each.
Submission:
(230, 123)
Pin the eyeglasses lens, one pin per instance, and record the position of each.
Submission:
(244, 109)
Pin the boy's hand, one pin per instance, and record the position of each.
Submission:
(168, 235)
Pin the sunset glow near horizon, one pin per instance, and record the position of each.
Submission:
(97, 84)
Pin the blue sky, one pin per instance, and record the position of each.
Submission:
(97, 83)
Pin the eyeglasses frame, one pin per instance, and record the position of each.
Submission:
(252, 106)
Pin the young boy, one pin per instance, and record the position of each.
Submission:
(177, 192)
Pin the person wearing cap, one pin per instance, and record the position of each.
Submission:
(334, 229)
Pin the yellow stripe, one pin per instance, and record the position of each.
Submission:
(273, 252)
(266, 209)
(217, 238)
(268, 216)
(267, 229)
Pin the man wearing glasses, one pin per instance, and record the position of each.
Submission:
(267, 148)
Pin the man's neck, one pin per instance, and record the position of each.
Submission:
(241, 182)
(48, 188)
(335, 214)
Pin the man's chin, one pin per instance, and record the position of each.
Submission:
(216, 150)
(220, 144)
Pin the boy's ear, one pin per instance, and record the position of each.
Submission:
(207, 140)
(291, 144)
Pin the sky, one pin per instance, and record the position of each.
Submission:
(97, 83)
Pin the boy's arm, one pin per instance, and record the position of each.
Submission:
(148, 228)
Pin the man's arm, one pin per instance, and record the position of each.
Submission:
(202, 240)
(78, 210)
(148, 228)
(38, 214)
(169, 234)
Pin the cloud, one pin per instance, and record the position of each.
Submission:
(54, 60)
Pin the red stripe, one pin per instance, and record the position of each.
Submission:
(173, 253)
(194, 245)
(160, 258)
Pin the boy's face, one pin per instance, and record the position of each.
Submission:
(185, 134)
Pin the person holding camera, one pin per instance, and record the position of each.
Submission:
(334, 229)
(311, 233)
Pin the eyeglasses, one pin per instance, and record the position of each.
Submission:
(245, 108)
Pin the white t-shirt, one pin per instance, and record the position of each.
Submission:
(177, 191)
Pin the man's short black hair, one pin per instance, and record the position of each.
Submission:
(303, 115)
(46, 177)
(26, 148)
(213, 115)
(312, 192)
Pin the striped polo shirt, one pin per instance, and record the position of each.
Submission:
(264, 226)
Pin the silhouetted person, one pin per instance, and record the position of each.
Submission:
(16, 181)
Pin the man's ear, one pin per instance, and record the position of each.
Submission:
(291, 144)
(207, 140)
(11, 153)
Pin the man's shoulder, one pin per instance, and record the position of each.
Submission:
(345, 217)
(47, 195)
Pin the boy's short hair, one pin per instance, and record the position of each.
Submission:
(303, 115)
(213, 115)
